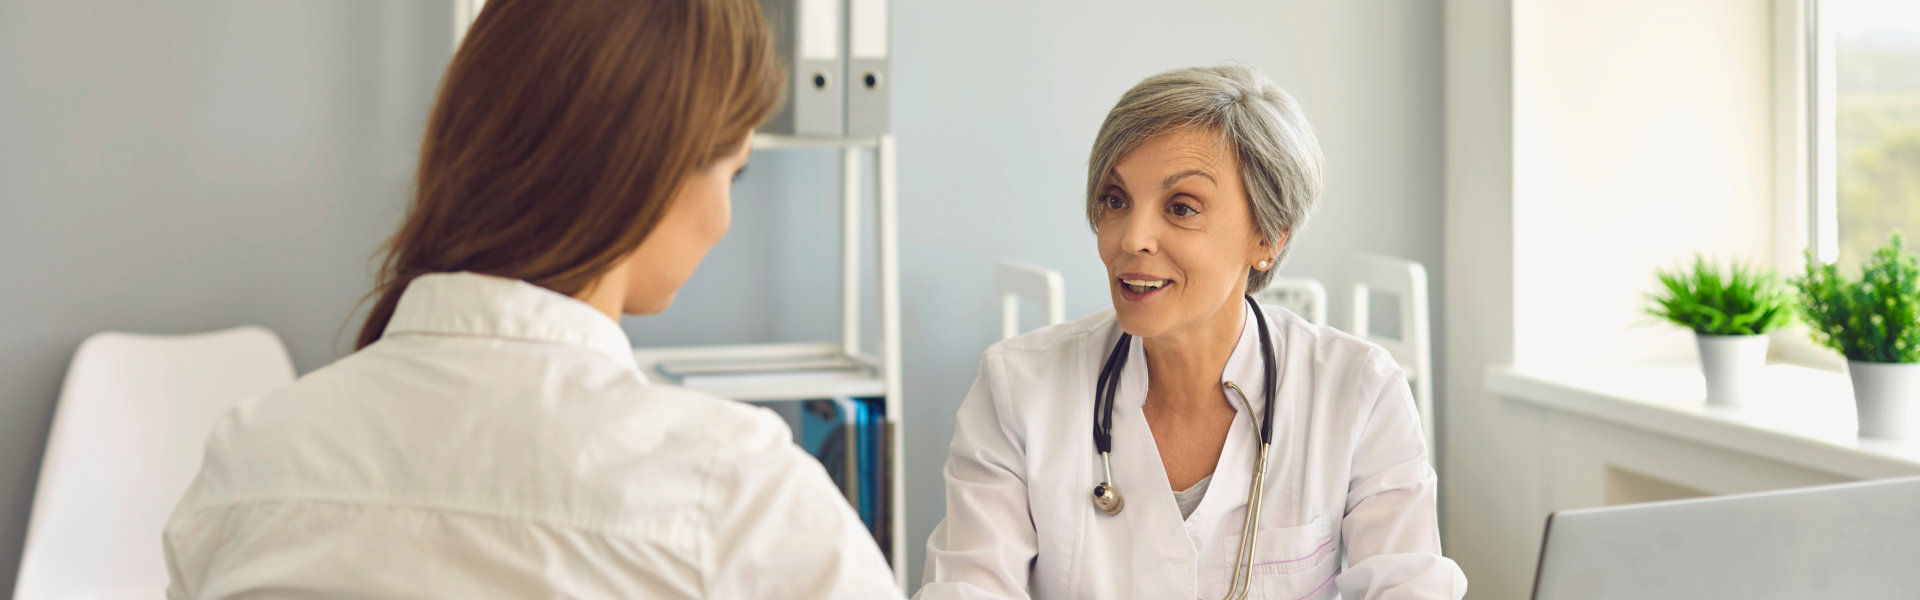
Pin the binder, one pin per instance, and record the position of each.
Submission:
(808, 42)
(883, 518)
(863, 414)
(827, 431)
(850, 437)
(867, 82)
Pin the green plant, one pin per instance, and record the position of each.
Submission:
(1739, 300)
(1875, 318)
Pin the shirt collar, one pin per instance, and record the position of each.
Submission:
(1245, 367)
(472, 304)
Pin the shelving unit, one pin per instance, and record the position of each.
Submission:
(878, 373)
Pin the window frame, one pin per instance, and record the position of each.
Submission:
(1806, 211)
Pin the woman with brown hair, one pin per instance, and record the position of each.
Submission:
(491, 435)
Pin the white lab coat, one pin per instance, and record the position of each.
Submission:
(499, 442)
(1348, 482)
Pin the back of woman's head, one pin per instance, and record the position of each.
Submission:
(562, 130)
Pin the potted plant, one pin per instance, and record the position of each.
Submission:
(1730, 311)
(1875, 322)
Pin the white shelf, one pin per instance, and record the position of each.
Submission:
(863, 383)
(1802, 417)
(769, 141)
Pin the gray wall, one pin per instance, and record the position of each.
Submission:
(996, 105)
(209, 164)
(183, 166)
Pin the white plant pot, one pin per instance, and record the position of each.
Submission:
(1885, 394)
(1731, 364)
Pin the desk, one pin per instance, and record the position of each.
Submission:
(1582, 436)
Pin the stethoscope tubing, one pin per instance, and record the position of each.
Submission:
(1108, 384)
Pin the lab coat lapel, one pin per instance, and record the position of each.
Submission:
(1138, 471)
(1221, 510)
(1142, 476)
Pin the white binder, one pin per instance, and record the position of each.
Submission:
(807, 38)
(867, 80)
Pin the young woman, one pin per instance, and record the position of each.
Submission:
(491, 436)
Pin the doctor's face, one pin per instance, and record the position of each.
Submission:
(1176, 233)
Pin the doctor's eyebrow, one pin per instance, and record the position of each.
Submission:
(1167, 184)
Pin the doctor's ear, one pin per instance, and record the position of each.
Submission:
(1263, 254)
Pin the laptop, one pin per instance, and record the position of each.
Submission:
(1853, 540)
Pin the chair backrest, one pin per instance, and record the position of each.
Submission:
(1305, 297)
(126, 441)
(1407, 281)
(1013, 280)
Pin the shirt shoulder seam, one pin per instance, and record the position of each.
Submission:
(585, 524)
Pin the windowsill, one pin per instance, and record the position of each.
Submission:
(1802, 417)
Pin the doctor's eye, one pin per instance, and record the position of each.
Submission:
(1181, 209)
(1113, 202)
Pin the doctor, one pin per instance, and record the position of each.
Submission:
(1116, 456)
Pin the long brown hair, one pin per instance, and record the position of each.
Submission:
(562, 130)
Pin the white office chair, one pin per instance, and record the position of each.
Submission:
(1407, 281)
(1305, 297)
(126, 442)
(1013, 280)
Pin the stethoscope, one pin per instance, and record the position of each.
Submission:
(1107, 498)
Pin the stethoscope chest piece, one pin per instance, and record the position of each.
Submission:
(1107, 498)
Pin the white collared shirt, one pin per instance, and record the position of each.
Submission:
(1349, 499)
(498, 442)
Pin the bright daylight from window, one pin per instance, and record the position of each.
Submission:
(1877, 121)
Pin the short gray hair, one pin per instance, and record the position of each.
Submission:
(1280, 161)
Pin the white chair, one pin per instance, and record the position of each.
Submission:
(1407, 281)
(1305, 297)
(1013, 280)
(126, 442)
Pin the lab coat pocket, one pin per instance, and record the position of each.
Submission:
(1292, 563)
(1283, 550)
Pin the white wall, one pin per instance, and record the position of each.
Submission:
(1481, 486)
(184, 166)
(996, 105)
(1643, 133)
(1587, 144)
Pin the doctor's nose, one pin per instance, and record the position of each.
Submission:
(1140, 235)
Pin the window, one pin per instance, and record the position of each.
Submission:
(1865, 98)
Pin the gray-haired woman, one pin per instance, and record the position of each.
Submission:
(1216, 416)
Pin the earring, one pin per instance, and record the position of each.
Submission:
(1263, 264)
